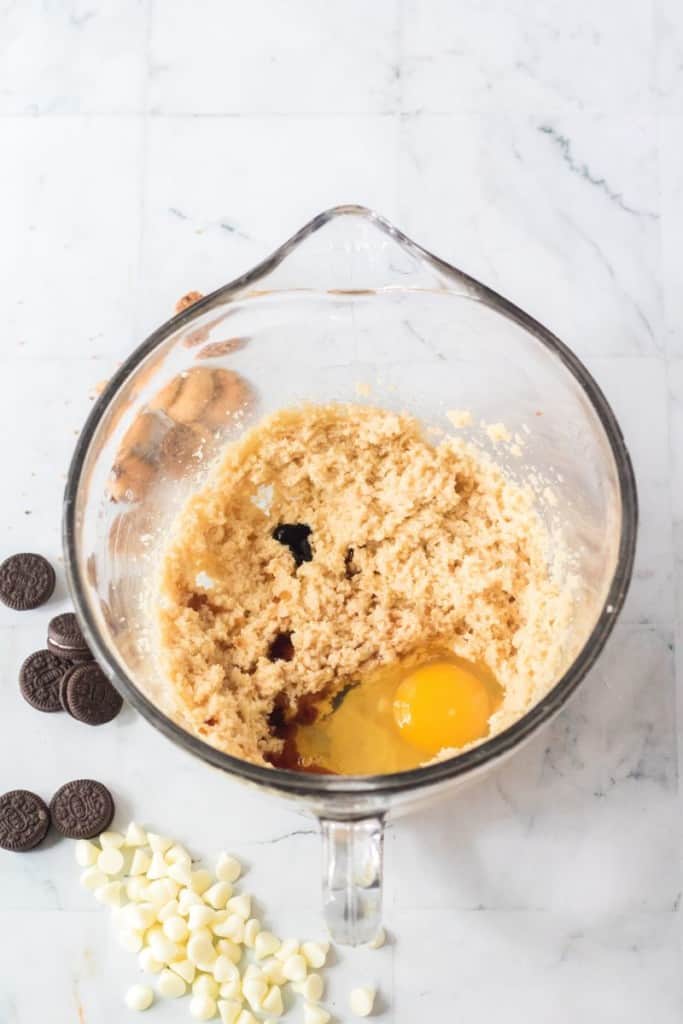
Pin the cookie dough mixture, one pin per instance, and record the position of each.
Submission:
(335, 539)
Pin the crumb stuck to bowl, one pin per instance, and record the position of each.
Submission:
(410, 545)
(187, 300)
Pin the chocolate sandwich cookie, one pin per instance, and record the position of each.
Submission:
(64, 638)
(82, 809)
(88, 695)
(26, 581)
(39, 679)
(62, 685)
(24, 820)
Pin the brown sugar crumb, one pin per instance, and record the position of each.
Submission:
(130, 478)
(412, 544)
(181, 445)
(221, 348)
(187, 300)
(459, 418)
(203, 396)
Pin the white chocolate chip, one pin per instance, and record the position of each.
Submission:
(148, 962)
(272, 971)
(155, 893)
(135, 887)
(175, 928)
(170, 985)
(240, 905)
(187, 898)
(251, 930)
(171, 887)
(231, 928)
(315, 952)
(163, 948)
(311, 988)
(246, 1017)
(205, 985)
(232, 989)
(159, 843)
(228, 869)
(160, 892)
(265, 944)
(135, 835)
(200, 881)
(224, 969)
(314, 1014)
(219, 922)
(167, 950)
(200, 950)
(288, 948)
(379, 939)
(254, 990)
(139, 997)
(170, 909)
(230, 949)
(202, 935)
(158, 867)
(181, 873)
(139, 916)
(200, 916)
(217, 916)
(178, 855)
(229, 1010)
(86, 853)
(93, 878)
(110, 860)
(218, 895)
(109, 894)
(362, 1000)
(202, 1007)
(295, 968)
(140, 863)
(130, 940)
(111, 840)
(272, 1002)
(185, 968)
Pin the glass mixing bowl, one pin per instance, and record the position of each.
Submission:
(348, 307)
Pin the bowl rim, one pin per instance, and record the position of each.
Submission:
(313, 785)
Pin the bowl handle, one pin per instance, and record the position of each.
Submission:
(352, 878)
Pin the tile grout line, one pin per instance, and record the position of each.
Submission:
(676, 583)
(143, 117)
(677, 586)
(669, 360)
(415, 112)
(263, 115)
(399, 70)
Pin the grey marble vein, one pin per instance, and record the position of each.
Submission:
(584, 171)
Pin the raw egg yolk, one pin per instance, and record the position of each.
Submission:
(441, 705)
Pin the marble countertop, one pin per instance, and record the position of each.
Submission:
(149, 148)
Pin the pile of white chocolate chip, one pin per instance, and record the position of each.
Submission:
(190, 929)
